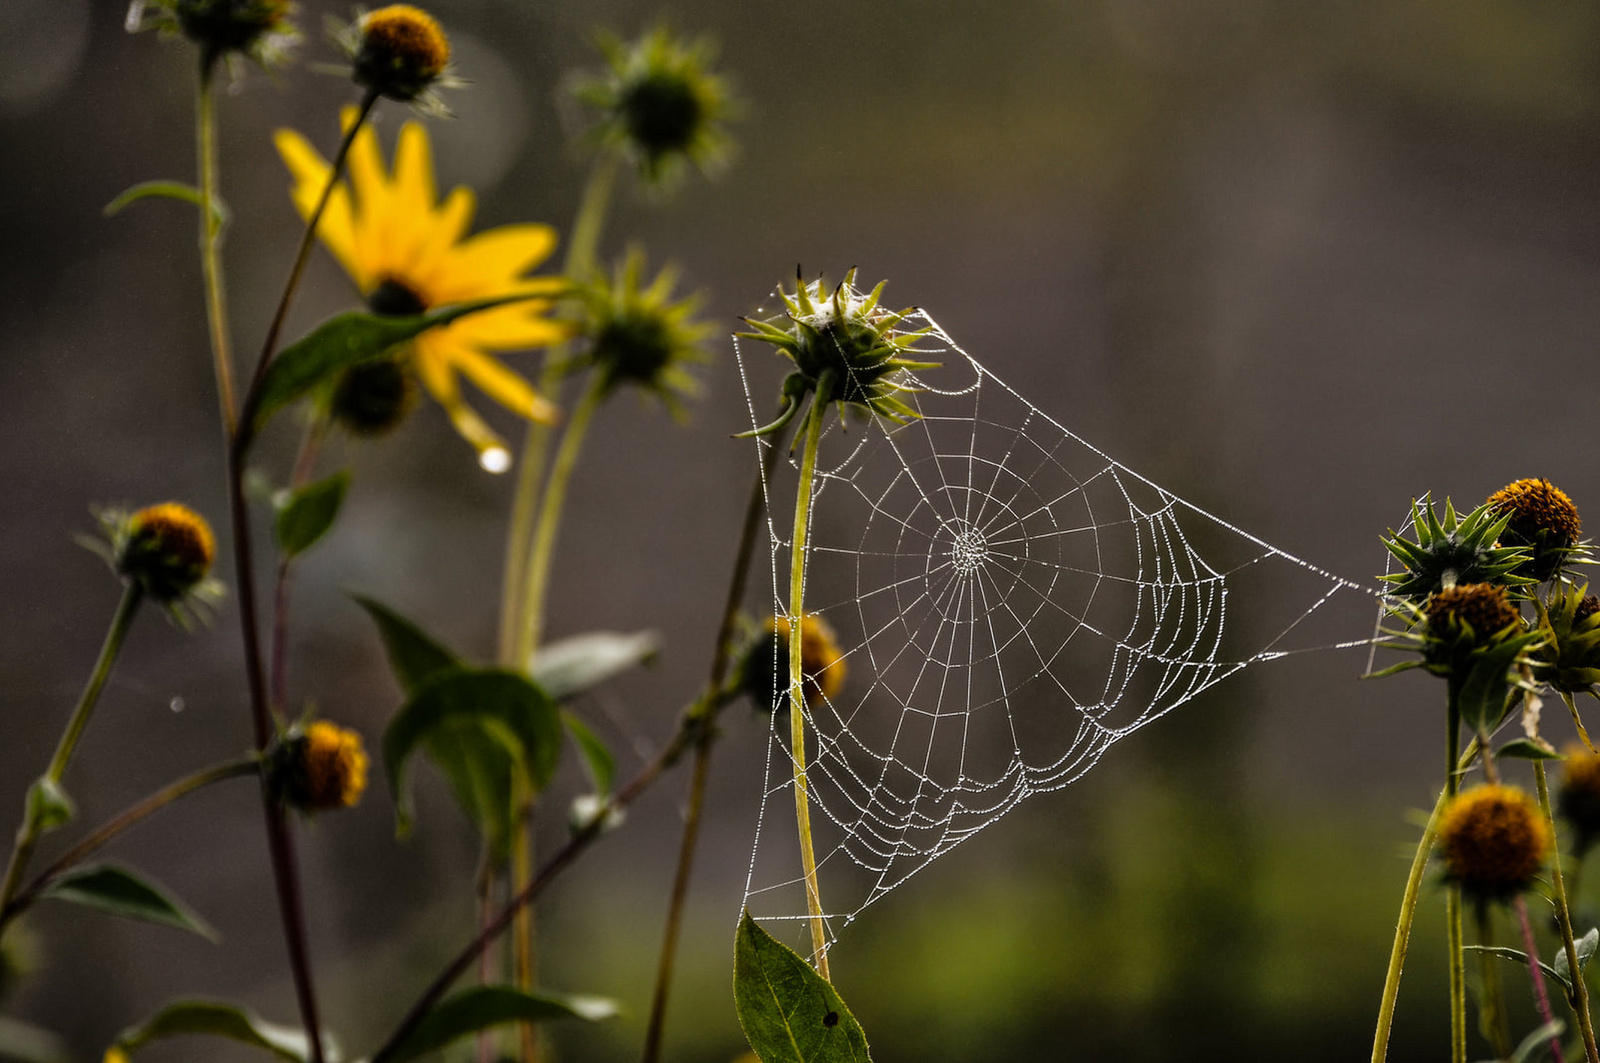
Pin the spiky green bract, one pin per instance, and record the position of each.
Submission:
(845, 344)
(1453, 550)
(660, 102)
(257, 29)
(640, 335)
(1570, 657)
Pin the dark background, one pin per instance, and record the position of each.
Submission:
(1296, 262)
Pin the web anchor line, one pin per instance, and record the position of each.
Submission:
(1010, 602)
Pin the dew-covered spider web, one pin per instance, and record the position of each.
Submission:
(1010, 602)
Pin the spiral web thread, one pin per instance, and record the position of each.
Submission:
(1010, 602)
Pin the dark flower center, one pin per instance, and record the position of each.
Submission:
(662, 113)
(392, 298)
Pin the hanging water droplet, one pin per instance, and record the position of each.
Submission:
(176, 704)
(495, 459)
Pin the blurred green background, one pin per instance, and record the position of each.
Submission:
(1296, 262)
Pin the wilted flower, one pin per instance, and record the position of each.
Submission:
(1494, 841)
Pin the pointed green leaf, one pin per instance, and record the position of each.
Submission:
(121, 892)
(47, 805)
(306, 515)
(345, 340)
(1527, 749)
(572, 666)
(1483, 695)
(218, 1019)
(168, 190)
(510, 704)
(596, 757)
(413, 654)
(480, 767)
(485, 1007)
(29, 1044)
(1520, 958)
(790, 1014)
(1585, 947)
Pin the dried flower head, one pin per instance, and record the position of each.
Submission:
(764, 672)
(318, 766)
(1494, 841)
(1478, 611)
(1579, 796)
(166, 549)
(258, 29)
(399, 51)
(640, 335)
(372, 398)
(659, 101)
(845, 347)
(1542, 518)
(1453, 550)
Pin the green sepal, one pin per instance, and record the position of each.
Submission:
(414, 655)
(1528, 749)
(505, 704)
(596, 757)
(218, 1019)
(305, 515)
(47, 806)
(488, 1006)
(169, 190)
(574, 665)
(119, 891)
(790, 1014)
(1394, 669)
(349, 339)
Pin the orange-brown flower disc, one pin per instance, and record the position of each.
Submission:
(168, 550)
(333, 767)
(402, 51)
(1484, 606)
(1495, 841)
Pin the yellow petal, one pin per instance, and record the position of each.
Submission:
(448, 225)
(440, 381)
(510, 328)
(413, 169)
(337, 227)
(497, 256)
(498, 382)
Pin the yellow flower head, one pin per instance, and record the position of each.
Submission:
(1494, 841)
(167, 549)
(400, 51)
(1580, 795)
(322, 768)
(1543, 519)
(408, 254)
(765, 670)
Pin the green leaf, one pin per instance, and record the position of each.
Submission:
(414, 655)
(121, 892)
(572, 666)
(1585, 948)
(219, 1019)
(345, 340)
(790, 1014)
(484, 1007)
(47, 805)
(1527, 749)
(480, 767)
(168, 190)
(596, 757)
(511, 705)
(29, 1044)
(1520, 958)
(1483, 695)
(306, 515)
(1537, 1041)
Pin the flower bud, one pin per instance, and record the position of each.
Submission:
(318, 767)
(371, 399)
(167, 549)
(400, 51)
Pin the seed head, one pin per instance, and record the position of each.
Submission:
(259, 29)
(1541, 518)
(1482, 608)
(765, 670)
(640, 335)
(1495, 842)
(400, 52)
(318, 766)
(371, 399)
(167, 549)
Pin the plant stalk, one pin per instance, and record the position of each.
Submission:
(210, 244)
(1495, 1019)
(1402, 933)
(1540, 995)
(1580, 987)
(797, 698)
(1452, 896)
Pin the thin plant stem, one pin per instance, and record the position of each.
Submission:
(702, 758)
(1540, 996)
(1580, 988)
(587, 226)
(28, 833)
(1452, 896)
(1402, 933)
(128, 818)
(210, 243)
(1494, 996)
(280, 843)
(797, 698)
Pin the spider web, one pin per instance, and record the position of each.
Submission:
(1010, 602)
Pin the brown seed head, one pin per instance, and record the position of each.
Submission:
(1542, 518)
(401, 52)
(332, 768)
(1495, 841)
(766, 668)
(168, 548)
(1482, 606)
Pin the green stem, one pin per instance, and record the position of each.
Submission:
(549, 522)
(702, 756)
(1452, 897)
(1402, 932)
(1494, 998)
(797, 719)
(122, 822)
(579, 262)
(28, 833)
(210, 245)
(1580, 988)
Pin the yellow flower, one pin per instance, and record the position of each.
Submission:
(166, 548)
(319, 767)
(407, 254)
